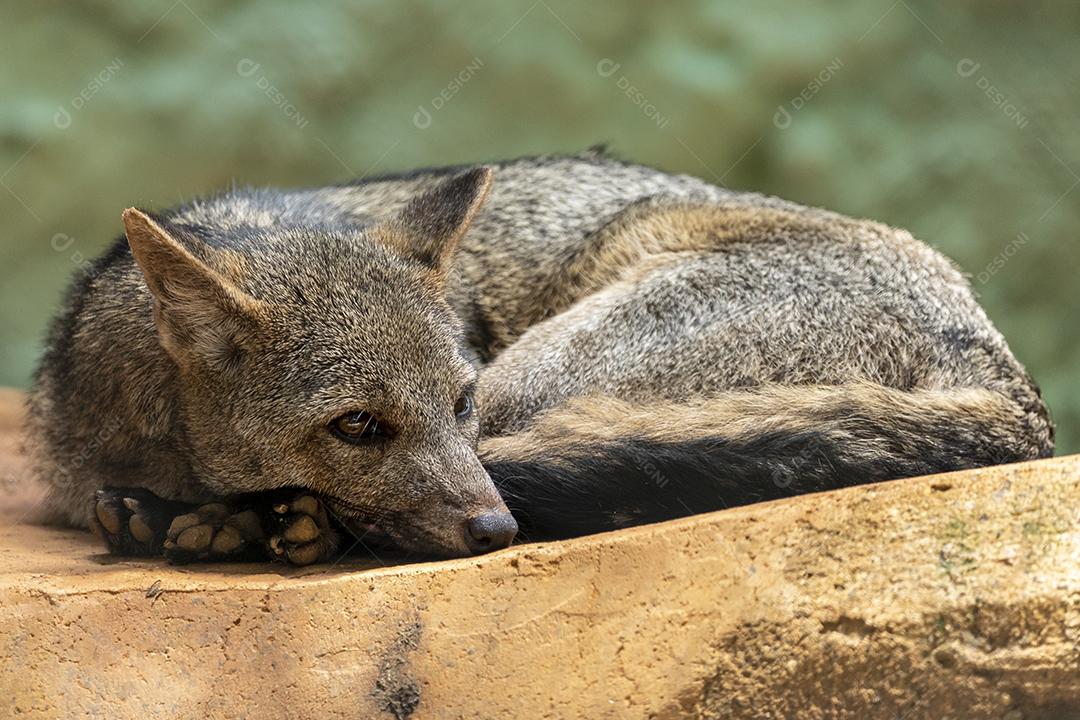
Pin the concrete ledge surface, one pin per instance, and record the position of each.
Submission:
(954, 596)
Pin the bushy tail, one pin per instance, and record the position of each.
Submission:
(598, 463)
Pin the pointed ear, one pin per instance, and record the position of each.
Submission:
(430, 226)
(200, 313)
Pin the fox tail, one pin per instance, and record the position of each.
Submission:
(598, 463)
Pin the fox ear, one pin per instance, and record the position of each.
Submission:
(429, 227)
(199, 312)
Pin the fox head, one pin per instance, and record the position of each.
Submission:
(329, 358)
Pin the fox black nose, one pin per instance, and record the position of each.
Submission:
(490, 531)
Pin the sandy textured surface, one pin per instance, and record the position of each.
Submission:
(954, 596)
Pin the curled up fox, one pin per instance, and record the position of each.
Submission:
(445, 359)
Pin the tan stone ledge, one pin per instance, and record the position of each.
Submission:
(954, 596)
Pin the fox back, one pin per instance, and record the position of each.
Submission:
(562, 333)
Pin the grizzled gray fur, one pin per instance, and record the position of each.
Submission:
(584, 342)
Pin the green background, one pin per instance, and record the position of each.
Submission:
(957, 121)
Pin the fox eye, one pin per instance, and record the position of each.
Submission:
(357, 427)
(463, 407)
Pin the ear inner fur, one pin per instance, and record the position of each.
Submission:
(197, 310)
(430, 226)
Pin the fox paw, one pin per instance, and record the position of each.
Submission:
(213, 532)
(132, 521)
(301, 533)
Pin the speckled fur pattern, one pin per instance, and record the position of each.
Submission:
(619, 326)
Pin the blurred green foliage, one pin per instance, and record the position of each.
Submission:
(957, 121)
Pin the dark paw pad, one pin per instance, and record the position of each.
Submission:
(213, 532)
(301, 533)
(131, 521)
